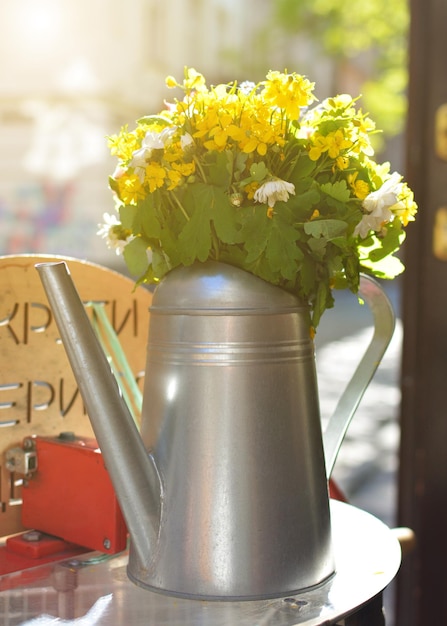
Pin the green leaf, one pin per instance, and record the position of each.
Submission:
(255, 231)
(113, 184)
(282, 251)
(195, 238)
(135, 256)
(224, 218)
(323, 300)
(377, 257)
(276, 240)
(259, 171)
(213, 204)
(199, 195)
(329, 229)
(148, 222)
(389, 267)
(338, 191)
(159, 264)
(307, 197)
(307, 200)
(329, 126)
(141, 219)
(154, 119)
(307, 278)
(352, 270)
(127, 215)
(303, 169)
(239, 164)
(220, 169)
(169, 243)
(318, 246)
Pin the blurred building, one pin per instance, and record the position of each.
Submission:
(74, 72)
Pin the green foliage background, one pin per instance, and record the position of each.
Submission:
(376, 30)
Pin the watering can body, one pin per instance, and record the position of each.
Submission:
(225, 493)
(231, 415)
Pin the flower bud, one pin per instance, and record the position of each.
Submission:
(171, 82)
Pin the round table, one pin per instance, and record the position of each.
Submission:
(367, 557)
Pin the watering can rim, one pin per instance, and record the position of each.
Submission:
(188, 292)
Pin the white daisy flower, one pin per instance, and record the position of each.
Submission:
(186, 141)
(384, 197)
(153, 140)
(110, 231)
(274, 190)
(157, 140)
(378, 205)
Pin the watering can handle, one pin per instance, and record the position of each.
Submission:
(376, 299)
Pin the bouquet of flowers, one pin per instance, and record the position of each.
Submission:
(262, 177)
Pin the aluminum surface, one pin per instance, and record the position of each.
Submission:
(384, 322)
(130, 467)
(236, 505)
(86, 590)
(231, 415)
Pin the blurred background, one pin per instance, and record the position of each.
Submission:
(73, 72)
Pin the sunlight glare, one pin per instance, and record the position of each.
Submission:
(36, 23)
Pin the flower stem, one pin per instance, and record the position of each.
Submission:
(199, 167)
(180, 205)
(215, 244)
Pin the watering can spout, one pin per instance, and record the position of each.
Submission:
(131, 468)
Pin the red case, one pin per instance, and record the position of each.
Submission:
(71, 495)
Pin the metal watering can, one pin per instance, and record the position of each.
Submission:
(225, 492)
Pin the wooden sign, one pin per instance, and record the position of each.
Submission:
(38, 392)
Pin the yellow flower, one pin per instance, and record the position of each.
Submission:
(337, 142)
(236, 133)
(130, 189)
(203, 125)
(219, 136)
(124, 144)
(317, 149)
(175, 179)
(155, 176)
(251, 189)
(333, 143)
(193, 80)
(289, 92)
(171, 82)
(365, 124)
(406, 208)
(341, 163)
(360, 187)
(185, 169)
(234, 145)
(362, 145)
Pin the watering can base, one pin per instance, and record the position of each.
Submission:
(228, 598)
